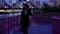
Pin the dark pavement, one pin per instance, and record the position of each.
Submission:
(37, 29)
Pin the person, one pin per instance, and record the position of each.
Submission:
(24, 22)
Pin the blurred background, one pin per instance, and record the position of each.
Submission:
(45, 18)
(43, 5)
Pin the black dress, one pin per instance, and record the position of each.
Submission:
(24, 22)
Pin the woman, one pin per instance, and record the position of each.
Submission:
(25, 18)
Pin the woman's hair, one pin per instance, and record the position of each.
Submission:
(25, 6)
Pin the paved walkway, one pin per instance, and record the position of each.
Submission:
(38, 29)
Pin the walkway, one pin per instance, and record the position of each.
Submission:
(38, 29)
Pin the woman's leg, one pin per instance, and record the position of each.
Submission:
(25, 29)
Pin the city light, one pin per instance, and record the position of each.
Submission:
(19, 13)
(21, 6)
(10, 3)
(28, 0)
(32, 7)
(10, 14)
(15, 13)
(1, 10)
(6, 7)
(14, 2)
